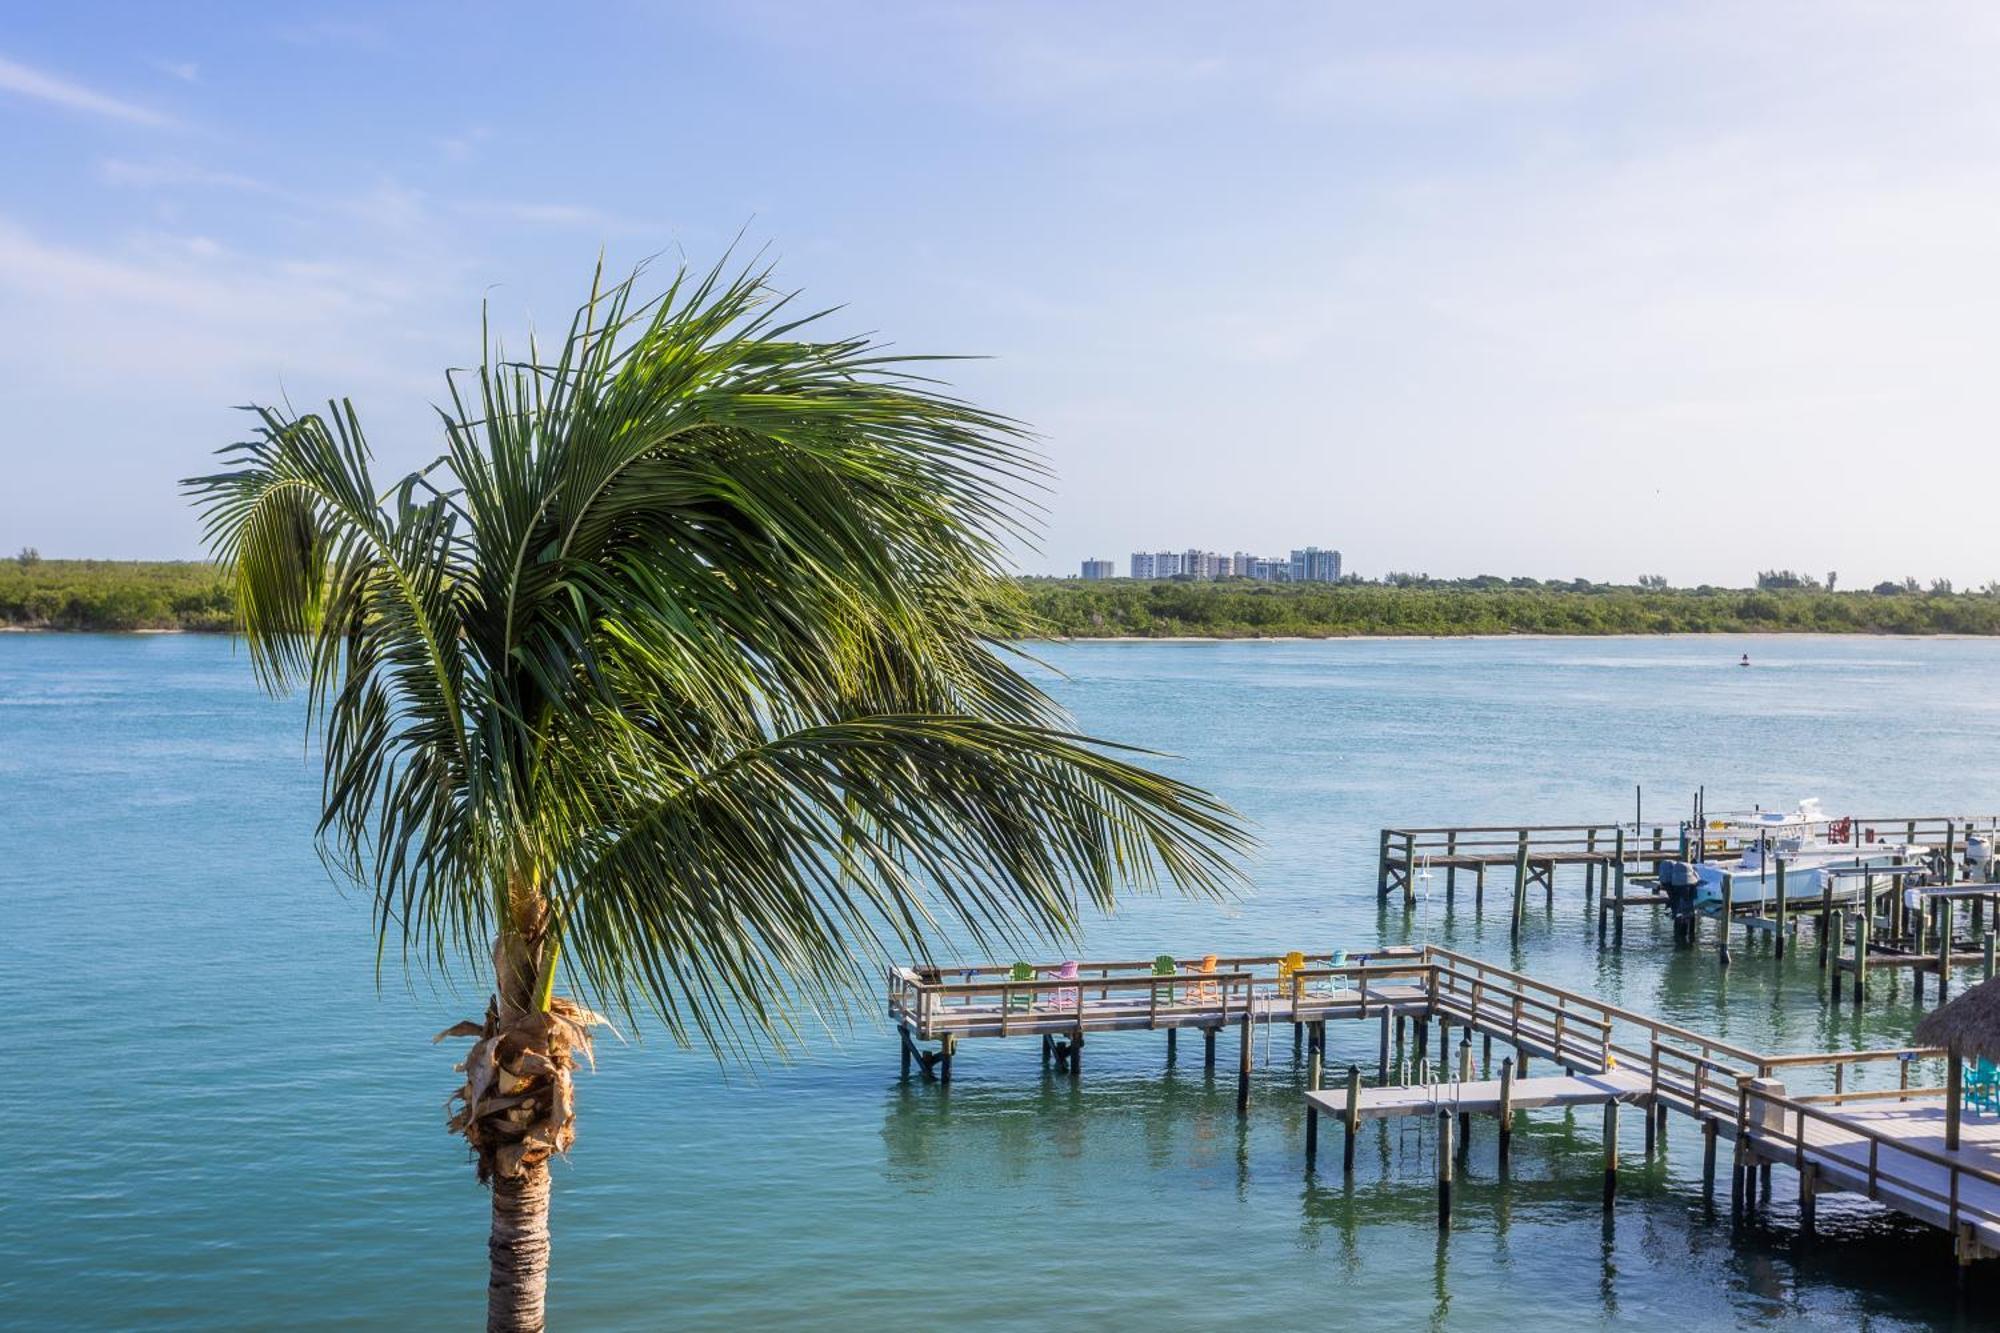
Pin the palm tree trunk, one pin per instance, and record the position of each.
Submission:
(518, 1250)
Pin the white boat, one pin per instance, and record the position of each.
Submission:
(1809, 844)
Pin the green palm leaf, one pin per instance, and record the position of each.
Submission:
(681, 674)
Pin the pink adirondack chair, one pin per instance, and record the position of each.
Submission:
(1065, 997)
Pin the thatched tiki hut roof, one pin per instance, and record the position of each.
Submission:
(1970, 1023)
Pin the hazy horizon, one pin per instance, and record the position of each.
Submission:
(1598, 291)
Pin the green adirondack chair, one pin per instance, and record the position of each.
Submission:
(1022, 972)
(1165, 966)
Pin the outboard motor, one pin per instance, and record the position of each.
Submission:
(1679, 879)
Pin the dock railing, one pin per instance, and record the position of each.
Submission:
(1777, 1126)
(1538, 847)
(931, 1003)
(1756, 1099)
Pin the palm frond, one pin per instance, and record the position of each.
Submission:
(688, 656)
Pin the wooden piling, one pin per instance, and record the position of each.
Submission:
(1173, 1040)
(1312, 1108)
(1444, 1170)
(1708, 1133)
(1954, 1095)
(1383, 1063)
(1991, 936)
(1728, 916)
(1861, 929)
(1382, 867)
(1506, 1109)
(1243, 1064)
(1808, 1199)
(1353, 1118)
(1778, 936)
(1208, 1049)
(1520, 885)
(1944, 949)
(1590, 866)
(1610, 1152)
(1618, 885)
(1465, 1076)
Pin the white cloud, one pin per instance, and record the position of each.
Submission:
(463, 146)
(174, 174)
(574, 216)
(1429, 82)
(184, 70)
(44, 87)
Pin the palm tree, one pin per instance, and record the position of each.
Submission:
(681, 678)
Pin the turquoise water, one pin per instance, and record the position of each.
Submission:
(219, 1121)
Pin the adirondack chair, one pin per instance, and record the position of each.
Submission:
(1291, 963)
(1165, 966)
(1021, 999)
(1205, 991)
(1982, 1086)
(1329, 985)
(1065, 998)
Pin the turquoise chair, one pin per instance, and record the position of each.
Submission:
(1338, 958)
(1981, 1088)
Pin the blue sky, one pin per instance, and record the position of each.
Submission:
(1590, 289)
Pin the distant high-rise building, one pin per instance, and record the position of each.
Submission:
(1313, 565)
(1268, 571)
(1310, 565)
(1204, 564)
(1100, 569)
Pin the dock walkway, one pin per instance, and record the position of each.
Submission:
(1487, 1096)
(1885, 1143)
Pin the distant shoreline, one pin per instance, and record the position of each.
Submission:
(1524, 634)
(111, 596)
(1357, 637)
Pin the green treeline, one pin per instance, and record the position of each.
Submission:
(114, 594)
(1241, 609)
(190, 595)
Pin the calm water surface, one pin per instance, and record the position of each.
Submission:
(220, 1122)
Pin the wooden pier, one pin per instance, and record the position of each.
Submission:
(1611, 851)
(1807, 1113)
(1619, 862)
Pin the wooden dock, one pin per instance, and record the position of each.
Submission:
(1611, 852)
(1488, 1096)
(1952, 930)
(1805, 1112)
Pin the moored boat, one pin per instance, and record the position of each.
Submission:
(1805, 842)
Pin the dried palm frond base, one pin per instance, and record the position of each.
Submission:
(517, 1106)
